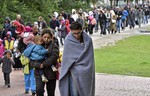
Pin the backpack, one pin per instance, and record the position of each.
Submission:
(68, 29)
(24, 60)
(93, 22)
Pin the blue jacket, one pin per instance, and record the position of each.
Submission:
(124, 14)
(35, 52)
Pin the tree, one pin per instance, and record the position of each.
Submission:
(30, 10)
(137, 1)
(111, 3)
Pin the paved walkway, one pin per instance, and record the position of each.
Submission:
(106, 85)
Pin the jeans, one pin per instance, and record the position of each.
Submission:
(123, 24)
(29, 80)
(118, 25)
(132, 23)
(50, 86)
(145, 19)
(96, 26)
(139, 21)
(108, 26)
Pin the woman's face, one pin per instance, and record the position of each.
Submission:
(46, 38)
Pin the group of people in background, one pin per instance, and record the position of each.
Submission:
(16, 39)
(40, 42)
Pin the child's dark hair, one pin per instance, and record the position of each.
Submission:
(8, 51)
(76, 26)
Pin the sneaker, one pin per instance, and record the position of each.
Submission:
(44, 79)
(8, 85)
(26, 92)
(33, 93)
(54, 69)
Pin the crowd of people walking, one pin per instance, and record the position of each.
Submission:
(40, 41)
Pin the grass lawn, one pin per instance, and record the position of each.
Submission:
(130, 56)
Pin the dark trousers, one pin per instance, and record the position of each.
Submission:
(61, 39)
(50, 87)
(90, 28)
(103, 29)
(96, 26)
(132, 23)
(7, 78)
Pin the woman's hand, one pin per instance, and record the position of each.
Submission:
(41, 66)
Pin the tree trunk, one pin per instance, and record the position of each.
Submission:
(142, 1)
(117, 2)
(137, 1)
(111, 3)
(114, 3)
(127, 2)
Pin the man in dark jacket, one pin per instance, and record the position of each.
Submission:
(131, 18)
(118, 22)
(102, 20)
(54, 24)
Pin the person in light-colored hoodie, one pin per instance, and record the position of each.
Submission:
(27, 35)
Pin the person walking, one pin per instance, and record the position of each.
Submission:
(50, 59)
(102, 21)
(139, 16)
(7, 66)
(77, 75)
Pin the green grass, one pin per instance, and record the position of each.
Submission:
(130, 56)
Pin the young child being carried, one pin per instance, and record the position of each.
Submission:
(37, 52)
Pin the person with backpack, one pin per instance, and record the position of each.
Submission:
(28, 71)
(91, 25)
(27, 35)
(29, 78)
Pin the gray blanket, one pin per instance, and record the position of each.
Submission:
(79, 60)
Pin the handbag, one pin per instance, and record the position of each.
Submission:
(113, 20)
